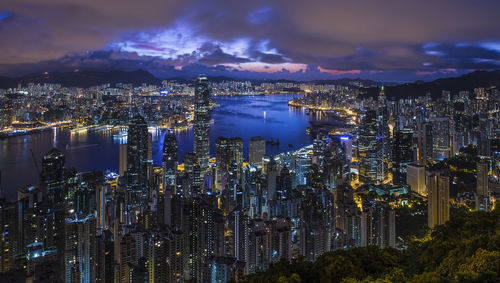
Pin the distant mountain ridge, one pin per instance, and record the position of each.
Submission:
(342, 81)
(6, 82)
(84, 79)
(467, 82)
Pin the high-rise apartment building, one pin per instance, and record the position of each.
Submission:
(438, 204)
(122, 159)
(80, 249)
(402, 155)
(482, 185)
(257, 150)
(227, 151)
(415, 178)
(8, 233)
(482, 178)
(438, 138)
(378, 225)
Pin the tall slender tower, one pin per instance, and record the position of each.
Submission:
(122, 166)
(482, 185)
(367, 147)
(169, 174)
(137, 160)
(383, 137)
(170, 160)
(202, 122)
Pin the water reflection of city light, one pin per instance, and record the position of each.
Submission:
(120, 137)
(54, 140)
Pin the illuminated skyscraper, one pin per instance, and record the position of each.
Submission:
(201, 126)
(415, 178)
(402, 154)
(221, 154)
(482, 185)
(236, 151)
(170, 174)
(8, 240)
(257, 150)
(383, 137)
(170, 160)
(127, 257)
(80, 249)
(378, 224)
(438, 138)
(201, 218)
(367, 146)
(52, 175)
(273, 172)
(137, 161)
(438, 188)
(227, 151)
(482, 178)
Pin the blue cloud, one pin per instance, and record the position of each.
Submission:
(5, 14)
(260, 16)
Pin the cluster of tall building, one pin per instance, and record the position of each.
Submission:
(407, 142)
(219, 218)
(203, 220)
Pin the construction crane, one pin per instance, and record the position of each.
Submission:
(36, 164)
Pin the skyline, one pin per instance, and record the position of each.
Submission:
(384, 41)
(331, 173)
(249, 141)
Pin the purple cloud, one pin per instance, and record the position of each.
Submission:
(412, 38)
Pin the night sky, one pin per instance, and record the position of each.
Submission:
(388, 40)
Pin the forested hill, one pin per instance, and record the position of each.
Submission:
(466, 249)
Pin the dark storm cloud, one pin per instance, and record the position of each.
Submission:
(214, 55)
(463, 56)
(48, 29)
(384, 34)
(271, 58)
(409, 37)
(110, 60)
